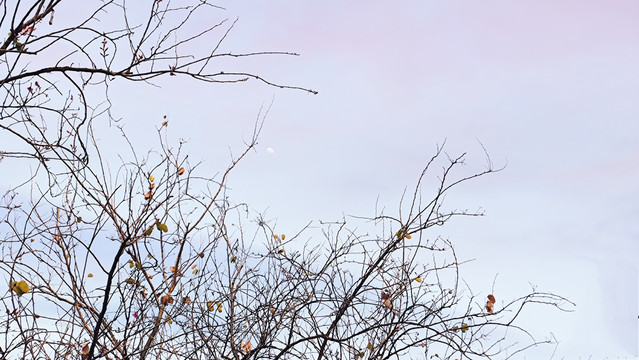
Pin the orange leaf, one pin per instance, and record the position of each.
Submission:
(489, 307)
(166, 299)
(181, 171)
(491, 298)
(246, 347)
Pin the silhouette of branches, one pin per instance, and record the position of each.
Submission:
(144, 255)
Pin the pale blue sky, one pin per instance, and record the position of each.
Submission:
(549, 87)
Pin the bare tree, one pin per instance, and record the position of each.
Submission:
(147, 257)
(60, 56)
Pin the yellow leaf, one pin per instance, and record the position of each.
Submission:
(151, 178)
(418, 279)
(19, 287)
(162, 227)
(408, 236)
(90, 275)
(233, 259)
(464, 328)
(195, 271)
(283, 237)
(130, 281)
(209, 305)
(148, 231)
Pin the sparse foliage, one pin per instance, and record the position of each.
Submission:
(145, 256)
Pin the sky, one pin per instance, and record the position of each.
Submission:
(549, 88)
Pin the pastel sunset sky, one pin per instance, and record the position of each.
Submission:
(549, 88)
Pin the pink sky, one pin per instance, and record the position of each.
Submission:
(549, 87)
